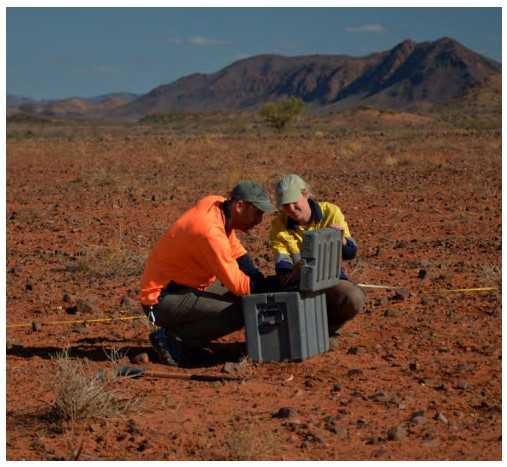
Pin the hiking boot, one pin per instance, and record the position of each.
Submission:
(169, 349)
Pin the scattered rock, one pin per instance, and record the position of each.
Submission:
(337, 387)
(390, 313)
(86, 305)
(396, 433)
(382, 301)
(372, 440)
(356, 350)
(145, 444)
(338, 430)
(355, 372)
(413, 366)
(419, 420)
(417, 413)
(286, 412)
(464, 368)
(35, 326)
(401, 295)
(29, 287)
(67, 298)
(382, 397)
(141, 358)
(441, 418)
(129, 302)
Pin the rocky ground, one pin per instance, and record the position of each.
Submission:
(417, 375)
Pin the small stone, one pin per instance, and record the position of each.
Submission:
(67, 298)
(286, 412)
(417, 413)
(382, 301)
(373, 440)
(29, 287)
(390, 313)
(85, 306)
(355, 372)
(145, 444)
(129, 302)
(382, 397)
(141, 358)
(419, 420)
(35, 326)
(413, 366)
(402, 294)
(396, 433)
(441, 418)
(337, 387)
(356, 351)
(339, 430)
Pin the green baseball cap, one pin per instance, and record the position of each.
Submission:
(252, 192)
(288, 189)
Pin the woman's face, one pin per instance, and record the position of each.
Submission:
(300, 211)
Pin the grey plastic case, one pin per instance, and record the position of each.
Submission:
(321, 255)
(285, 325)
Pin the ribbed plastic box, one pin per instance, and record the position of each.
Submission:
(285, 325)
(321, 255)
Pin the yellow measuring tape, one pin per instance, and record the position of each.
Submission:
(474, 289)
(98, 320)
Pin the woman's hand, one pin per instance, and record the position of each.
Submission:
(339, 227)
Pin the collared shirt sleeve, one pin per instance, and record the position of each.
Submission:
(284, 263)
(220, 254)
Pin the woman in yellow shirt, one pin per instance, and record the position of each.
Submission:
(299, 213)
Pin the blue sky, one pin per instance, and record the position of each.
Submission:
(63, 52)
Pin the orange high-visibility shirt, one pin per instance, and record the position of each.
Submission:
(195, 251)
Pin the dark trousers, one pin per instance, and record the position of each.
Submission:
(343, 302)
(199, 316)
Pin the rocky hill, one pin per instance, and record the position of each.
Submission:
(411, 75)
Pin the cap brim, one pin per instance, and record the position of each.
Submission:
(264, 206)
(286, 198)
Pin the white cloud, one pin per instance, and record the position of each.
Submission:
(206, 41)
(375, 28)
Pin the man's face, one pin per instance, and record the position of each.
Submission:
(300, 211)
(250, 217)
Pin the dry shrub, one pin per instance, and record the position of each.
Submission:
(78, 395)
(245, 441)
(116, 261)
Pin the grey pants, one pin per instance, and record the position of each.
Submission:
(343, 302)
(200, 316)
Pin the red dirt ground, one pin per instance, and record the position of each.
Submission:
(76, 210)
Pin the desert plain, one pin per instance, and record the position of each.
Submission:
(417, 375)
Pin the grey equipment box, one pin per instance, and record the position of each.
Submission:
(285, 325)
(293, 325)
(321, 256)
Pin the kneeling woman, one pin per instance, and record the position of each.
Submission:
(300, 213)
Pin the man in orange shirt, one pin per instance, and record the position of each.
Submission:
(198, 270)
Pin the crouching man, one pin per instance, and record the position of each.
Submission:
(198, 270)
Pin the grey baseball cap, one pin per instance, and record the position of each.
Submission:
(252, 192)
(288, 189)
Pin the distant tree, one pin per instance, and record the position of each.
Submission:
(278, 114)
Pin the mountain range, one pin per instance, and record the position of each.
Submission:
(407, 77)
